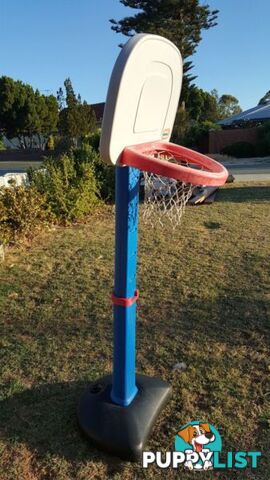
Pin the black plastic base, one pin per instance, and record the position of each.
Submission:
(122, 431)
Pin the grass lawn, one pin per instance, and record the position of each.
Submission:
(204, 300)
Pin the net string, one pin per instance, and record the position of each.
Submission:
(165, 198)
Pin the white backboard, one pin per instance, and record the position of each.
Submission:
(143, 95)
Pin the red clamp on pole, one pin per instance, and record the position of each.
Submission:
(125, 302)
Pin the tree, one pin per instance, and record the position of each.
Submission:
(199, 132)
(265, 99)
(199, 114)
(61, 99)
(76, 119)
(181, 21)
(211, 111)
(26, 114)
(51, 115)
(69, 115)
(228, 106)
(181, 125)
(202, 105)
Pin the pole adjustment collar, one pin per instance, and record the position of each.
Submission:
(125, 302)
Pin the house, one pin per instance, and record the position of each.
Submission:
(252, 117)
(242, 127)
(99, 111)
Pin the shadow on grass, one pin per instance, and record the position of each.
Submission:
(44, 418)
(212, 225)
(244, 194)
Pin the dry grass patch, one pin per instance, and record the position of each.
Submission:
(204, 300)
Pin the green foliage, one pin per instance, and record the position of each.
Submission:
(196, 118)
(65, 189)
(265, 99)
(94, 139)
(50, 143)
(189, 132)
(2, 145)
(69, 186)
(263, 146)
(198, 133)
(76, 119)
(198, 115)
(181, 126)
(25, 113)
(202, 105)
(104, 174)
(228, 106)
(22, 211)
(210, 111)
(181, 21)
(239, 150)
(62, 145)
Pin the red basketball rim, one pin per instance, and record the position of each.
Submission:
(206, 171)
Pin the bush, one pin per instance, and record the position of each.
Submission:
(50, 143)
(239, 150)
(2, 145)
(22, 210)
(104, 174)
(262, 148)
(64, 190)
(94, 140)
(69, 186)
(198, 133)
(62, 145)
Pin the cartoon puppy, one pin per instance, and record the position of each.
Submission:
(198, 436)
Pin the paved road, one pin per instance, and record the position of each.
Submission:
(16, 167)
(250, 172)
(247, 172)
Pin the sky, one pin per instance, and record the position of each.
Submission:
(44, 42)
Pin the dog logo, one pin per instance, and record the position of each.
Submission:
(197, 447)
(198, 440)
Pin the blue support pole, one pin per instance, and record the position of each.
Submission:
(126, 233)
(110, 424)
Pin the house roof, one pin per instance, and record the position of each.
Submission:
(258, 113)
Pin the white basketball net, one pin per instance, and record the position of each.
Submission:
(165, 198)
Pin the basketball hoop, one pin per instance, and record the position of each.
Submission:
(171, 172)
(119, 410)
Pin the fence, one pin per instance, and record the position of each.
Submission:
(217, 140)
